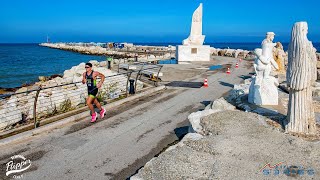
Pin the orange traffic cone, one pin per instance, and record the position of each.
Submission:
(205, 84)
(237, 65)
(228, 71)
(240, 59)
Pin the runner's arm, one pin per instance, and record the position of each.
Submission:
(102, 79)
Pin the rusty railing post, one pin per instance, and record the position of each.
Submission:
(138, 74)
(119, 62)
(36, 123)
(156, 82)
(128, 68)
(129, 75)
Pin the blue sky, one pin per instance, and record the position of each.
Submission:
(153, 20)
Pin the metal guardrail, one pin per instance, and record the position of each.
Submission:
(142, 67)
(43, 102)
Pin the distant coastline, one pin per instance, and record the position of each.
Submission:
(231, 45)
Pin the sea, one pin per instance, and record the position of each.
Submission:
(24, 63)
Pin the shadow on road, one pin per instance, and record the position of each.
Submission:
(205, 103)
(226, 84)
(185, 84)
(244, 77)
(181, 132)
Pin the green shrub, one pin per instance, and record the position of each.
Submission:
(66, 106)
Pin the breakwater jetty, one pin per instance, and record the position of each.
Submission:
(120, 50)
(129, 50)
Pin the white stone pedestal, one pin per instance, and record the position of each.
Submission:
(187, 53)
(263, 91)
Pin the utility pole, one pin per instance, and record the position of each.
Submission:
(48, 39)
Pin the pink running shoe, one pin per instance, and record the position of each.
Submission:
(102, 112)
(94, 117)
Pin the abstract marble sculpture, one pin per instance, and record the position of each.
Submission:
(301, 76)
(195, 37)
(193, 48)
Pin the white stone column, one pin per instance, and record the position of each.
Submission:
(301, 75)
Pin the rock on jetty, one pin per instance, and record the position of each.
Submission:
(236, 53)
(57, 97)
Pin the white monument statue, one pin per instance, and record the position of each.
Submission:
(269, 38)
(301, 76)
(263, 89)
(196, 37)
(193, 48)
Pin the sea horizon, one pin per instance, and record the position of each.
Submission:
(222, 45)
(137, 43)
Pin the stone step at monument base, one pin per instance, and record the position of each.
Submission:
(193, 53)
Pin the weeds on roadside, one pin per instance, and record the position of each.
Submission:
(66, 106)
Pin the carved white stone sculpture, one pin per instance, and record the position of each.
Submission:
(196, 37)
(301, 76)
(263, 89)
(193, 48)
(269, 38)
(279, 56)
(264, 61)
